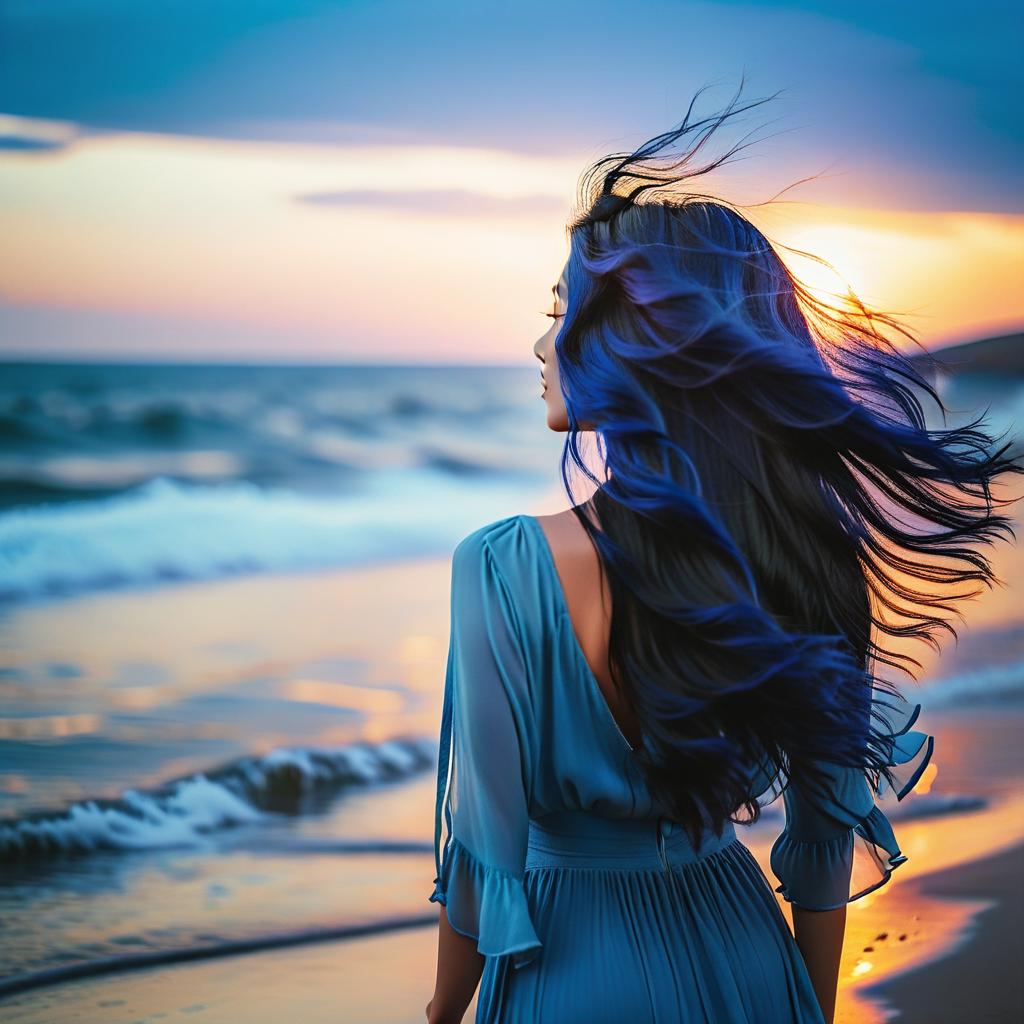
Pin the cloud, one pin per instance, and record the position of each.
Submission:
(921, 105)
(29, 135)
(440, 202)
(14, 143)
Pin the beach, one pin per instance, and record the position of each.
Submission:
(312, 312)
(217, 788)
(363, 860)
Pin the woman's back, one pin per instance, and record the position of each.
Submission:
(587, 599)
(589, 902)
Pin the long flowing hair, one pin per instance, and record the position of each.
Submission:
(772, 505)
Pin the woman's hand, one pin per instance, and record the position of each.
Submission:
(439, 1018)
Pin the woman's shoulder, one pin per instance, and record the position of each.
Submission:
(504, 552)
(493, 574)
(505, 536)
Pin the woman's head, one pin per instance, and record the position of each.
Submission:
(764, 455)
(647, 265)
(650, 282)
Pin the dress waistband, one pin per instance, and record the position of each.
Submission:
(580, 839)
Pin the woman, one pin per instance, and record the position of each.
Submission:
(630, 679)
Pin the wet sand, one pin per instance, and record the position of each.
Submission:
(980, 978)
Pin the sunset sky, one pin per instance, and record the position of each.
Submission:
(390, 181)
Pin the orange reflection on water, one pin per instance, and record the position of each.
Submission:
(924, 784)
(49, 726)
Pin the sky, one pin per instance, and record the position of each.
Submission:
(390, 181)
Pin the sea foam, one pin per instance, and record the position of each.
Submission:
(188, 812)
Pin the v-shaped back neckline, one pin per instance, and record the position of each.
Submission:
(548, 557)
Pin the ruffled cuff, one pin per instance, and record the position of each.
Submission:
(486, 904)
(824, 873)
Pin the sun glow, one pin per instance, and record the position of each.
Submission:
(250, 247)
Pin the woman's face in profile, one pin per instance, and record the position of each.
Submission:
(544, 350)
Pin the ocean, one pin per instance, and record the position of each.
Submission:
(147, 474)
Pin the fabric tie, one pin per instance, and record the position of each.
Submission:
(579, 839)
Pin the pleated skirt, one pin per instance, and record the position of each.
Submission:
(639, 927)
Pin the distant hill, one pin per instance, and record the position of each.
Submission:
(1001, 355)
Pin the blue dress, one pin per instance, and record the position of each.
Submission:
(587, 901)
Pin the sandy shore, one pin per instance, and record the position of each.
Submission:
(980, 978)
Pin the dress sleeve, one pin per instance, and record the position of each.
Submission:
(837, 844)
(483, 776)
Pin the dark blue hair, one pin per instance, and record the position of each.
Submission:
(771, 495)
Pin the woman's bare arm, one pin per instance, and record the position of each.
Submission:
(819, 934)
(459, 967)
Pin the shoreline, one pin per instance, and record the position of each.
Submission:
(977, 976)
(965, 979)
